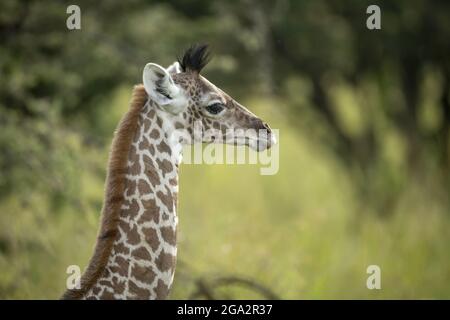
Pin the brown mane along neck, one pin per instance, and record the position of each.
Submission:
(114, 193)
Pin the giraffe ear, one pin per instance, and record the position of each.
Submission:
(174, 68)
(161, 88)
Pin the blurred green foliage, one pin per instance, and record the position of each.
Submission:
(364, 119)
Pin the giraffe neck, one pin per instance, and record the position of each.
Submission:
(141, 263)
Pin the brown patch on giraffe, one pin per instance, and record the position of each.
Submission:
(152, 175)
(147, 124)
(165, 166)
(164, 148)
(96, 290)
(173, 181)
(154, 134)
(115, 186)
(105, 283)
(121, 269)
(131, 232)
(140, 293)
(106, 273)
(166, 199)
(135, 168)
(169, 235)
(159, 121)
(106, 295)
(165, 261)
(120, 248)
(179, 125)
(131, 188)
(148, 161)
(150, 170)
(133, 208)
(143, 187)
(141, 254)
(151, 212)
(119, 285)
(132, 150)
(143, 274)
(151, 236)
(161, 289)
(152, 150)
(144, 145)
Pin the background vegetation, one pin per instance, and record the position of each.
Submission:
(364, 119)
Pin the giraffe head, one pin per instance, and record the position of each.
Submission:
(198, 108)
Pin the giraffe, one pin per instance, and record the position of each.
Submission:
(135, 253)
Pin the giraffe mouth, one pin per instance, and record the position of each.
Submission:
(258, 141)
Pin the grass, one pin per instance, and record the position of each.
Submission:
(302, 232)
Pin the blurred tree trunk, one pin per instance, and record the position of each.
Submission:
(444, 132)
(407, 121)
(260, 17)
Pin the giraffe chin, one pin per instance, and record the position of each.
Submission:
(262, 144)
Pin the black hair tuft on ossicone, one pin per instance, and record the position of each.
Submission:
(195, 58)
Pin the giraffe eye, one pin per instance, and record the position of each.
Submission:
(215, 108)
